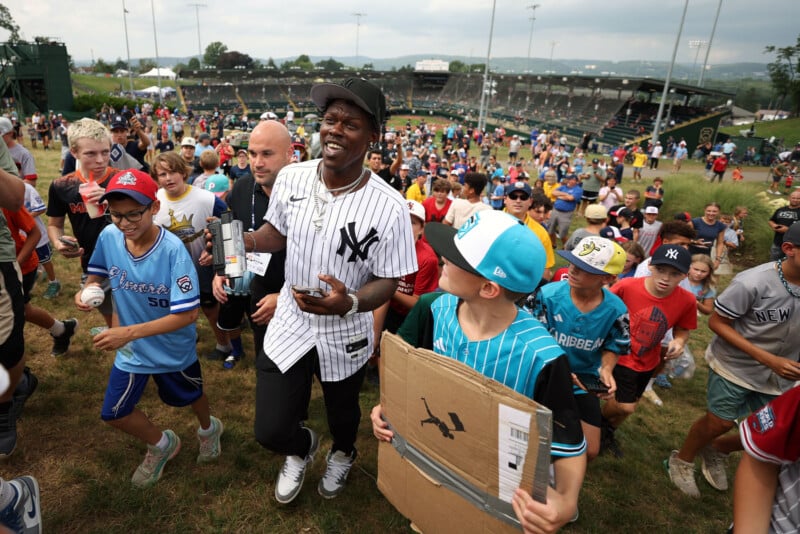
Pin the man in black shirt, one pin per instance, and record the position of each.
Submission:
(136, 146)
(270, 150)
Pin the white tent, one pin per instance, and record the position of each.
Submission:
(163, 71)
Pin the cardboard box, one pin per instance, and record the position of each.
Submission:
(464, 443)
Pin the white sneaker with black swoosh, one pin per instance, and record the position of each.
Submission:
(22, 514)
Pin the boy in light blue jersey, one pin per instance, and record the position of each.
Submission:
(489, 263)
(589, 323)
(156, 300)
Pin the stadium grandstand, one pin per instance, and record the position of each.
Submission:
(615, 110)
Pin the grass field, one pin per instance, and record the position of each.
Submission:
(84, 466)
(83, 83)
(786, 129)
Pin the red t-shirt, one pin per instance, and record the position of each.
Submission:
(720, 164)
(22, 221)
(650, 318)
(425, 280)
(432, 213)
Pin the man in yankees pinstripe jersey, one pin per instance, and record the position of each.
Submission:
(348, 240)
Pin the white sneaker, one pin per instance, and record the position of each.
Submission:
(23, 513)
(293, 472)
(682, 475)
(335, 477)
(713, 464)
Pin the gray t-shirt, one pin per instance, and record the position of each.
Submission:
(763, 312)
(7, 250)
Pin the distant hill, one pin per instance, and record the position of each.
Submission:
(515, 65)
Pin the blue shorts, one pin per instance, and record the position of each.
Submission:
(179, 388)
(729, 401)
(45, 253)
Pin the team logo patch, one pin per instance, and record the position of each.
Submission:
(763, 420)
(127, 179)
(184, 283)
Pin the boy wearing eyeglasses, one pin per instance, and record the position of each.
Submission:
(156, 301)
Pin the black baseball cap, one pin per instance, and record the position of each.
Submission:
(792, 235)
(359, 91)
(674, 256)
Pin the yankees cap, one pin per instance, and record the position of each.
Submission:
(596, 255)
(494, 245)
(672, 255)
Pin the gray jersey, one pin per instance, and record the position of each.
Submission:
(763, 312)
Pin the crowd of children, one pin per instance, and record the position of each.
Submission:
(588, 345)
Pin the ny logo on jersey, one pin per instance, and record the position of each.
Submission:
(359, 248)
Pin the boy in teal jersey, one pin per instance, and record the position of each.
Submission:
(590, 323)
(478, 323)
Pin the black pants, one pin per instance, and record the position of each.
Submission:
(653, 163)
(282, 405)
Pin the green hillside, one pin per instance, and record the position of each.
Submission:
(787, 129)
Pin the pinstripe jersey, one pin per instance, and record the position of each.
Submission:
(524, 357)
(365, 234)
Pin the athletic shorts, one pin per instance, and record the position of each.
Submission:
(232, 312)
(12, 315)
(589, 408)
(590, 196)
(45, 253)
(28, 281)
(179, 388)
(729, 401)
(107, 307)
(205, 278)
(630, 384)
(560, 221)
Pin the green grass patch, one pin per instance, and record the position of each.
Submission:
(786, 129)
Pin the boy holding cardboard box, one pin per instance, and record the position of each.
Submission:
(478, 323)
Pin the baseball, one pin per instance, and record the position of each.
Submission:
(93, 296)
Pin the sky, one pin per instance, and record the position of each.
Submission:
(581, 29)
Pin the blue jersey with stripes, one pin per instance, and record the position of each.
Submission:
(583, 336)
(160, 282)
(524, 357)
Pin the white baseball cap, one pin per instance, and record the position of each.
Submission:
(494, 245)
(416, 209)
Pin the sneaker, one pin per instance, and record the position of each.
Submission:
(23, 514)
(293, 472)
(218, 355)
(682, 475)
(151, 468)
(210, 447)
(8, 432)
(653, 397)
(53, 290)
(231, 361)
(662, 381)
(335, 477)
(608, 442)
(25, 388)
(713, 464)
(61, 343)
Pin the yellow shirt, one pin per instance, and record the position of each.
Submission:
(640, 159)
(548, 191)
(544, 237)
(415, 193)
